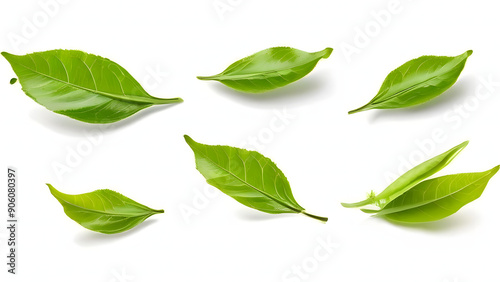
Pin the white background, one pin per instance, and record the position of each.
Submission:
(327, 155)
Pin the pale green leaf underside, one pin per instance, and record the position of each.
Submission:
(103, 211)
(411, 178)
(437, 198)
(247, 176)
(269, 69)
(82, 86)
(417, 82)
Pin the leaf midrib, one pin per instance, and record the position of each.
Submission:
(108, 213)
(251, 186)
(415, 85)
(404, 90)
(264, 73)
(136, 99)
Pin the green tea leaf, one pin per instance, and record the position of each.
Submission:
(269, 69)
(82, 86)
(411, 178)
(13, 80)
(437, 198)
(103, 211)
(417, 81)
(248, 177)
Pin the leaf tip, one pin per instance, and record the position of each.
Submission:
(495, 169)
(51, 188)
(459, 148)
(469, 52)
(188, 139)
(7, 55)
(327, 52)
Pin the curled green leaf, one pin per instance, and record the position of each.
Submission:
(13, 80)
(413, 199)
(437, 198)
(248, 177)
(269, 69)
(417, 82)
(410, 178)
(103, 211)
(82, 86)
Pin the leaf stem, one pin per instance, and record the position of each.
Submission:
(207, 77)
(358, 204)
(360, 109)
(169, 101)
(320, 218)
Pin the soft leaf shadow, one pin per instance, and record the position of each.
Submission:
(251, 215)
(65, 125)
(87, 238)
(294, 93)
(465, 220)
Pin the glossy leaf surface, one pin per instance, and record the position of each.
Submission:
(437, 198)
(82, 86)
(269, 69)
(411, 178)
(248, 177)
(103, 211)
(417, 81)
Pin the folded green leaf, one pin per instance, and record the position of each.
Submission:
(13, 80)
(411, 178)
(103, 211)
(248, 177)
(82, 86)
(411, 198)
(417, 81)
(437, 198)
(269, 69)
